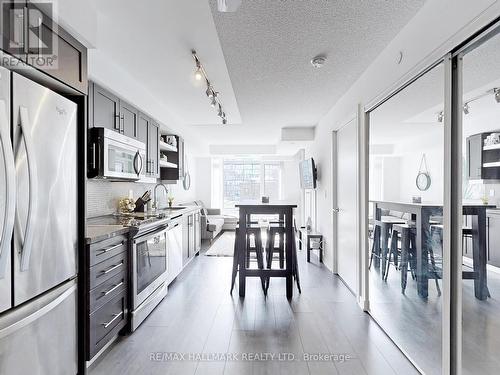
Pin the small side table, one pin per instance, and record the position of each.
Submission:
(305, 236)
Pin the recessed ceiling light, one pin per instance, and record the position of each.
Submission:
(318, 61)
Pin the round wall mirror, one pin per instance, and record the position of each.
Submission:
(187, 181)
(423, 181)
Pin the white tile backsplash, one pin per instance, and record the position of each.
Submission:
(103, 196)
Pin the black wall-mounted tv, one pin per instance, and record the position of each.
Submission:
(308, 175)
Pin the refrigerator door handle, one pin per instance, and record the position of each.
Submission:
(33, 188)
(10, 196)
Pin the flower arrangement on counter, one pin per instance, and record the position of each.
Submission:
(126, 205)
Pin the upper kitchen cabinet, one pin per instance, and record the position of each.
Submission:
(104, 109)
(36, 39)
(171, 158)
(153, 148)
(149, 133)
(483, 158)
(129, 117)
(46, 41)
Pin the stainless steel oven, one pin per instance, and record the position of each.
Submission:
(115, 156)
(149, 272)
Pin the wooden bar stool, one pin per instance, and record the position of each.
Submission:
(271, 248)
(241, 255)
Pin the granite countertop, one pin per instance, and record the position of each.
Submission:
(97, 233)
(104, 227)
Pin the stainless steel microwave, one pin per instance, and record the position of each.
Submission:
(115, 156)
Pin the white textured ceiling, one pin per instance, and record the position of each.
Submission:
(268, 45)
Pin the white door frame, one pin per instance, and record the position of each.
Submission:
(335, 204)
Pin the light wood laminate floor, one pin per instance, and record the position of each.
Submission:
(199, 316)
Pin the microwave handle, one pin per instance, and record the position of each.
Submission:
(138, 157)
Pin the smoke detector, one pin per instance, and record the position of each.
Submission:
(228, 5)
(318, 61)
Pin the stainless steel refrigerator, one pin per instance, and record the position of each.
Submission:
(38, 229)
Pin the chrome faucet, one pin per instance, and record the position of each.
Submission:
(155, 196)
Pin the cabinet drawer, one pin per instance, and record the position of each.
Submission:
(107, 291)
(107, 269)
(101, 251)
(106, 322)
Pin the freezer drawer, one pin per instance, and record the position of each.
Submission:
(40, 337)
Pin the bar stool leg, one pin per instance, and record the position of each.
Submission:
(405, 244)
(236, 260)
(385, 242)
(281, 249)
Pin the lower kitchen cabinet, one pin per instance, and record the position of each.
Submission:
(105, 279)
(191, 236)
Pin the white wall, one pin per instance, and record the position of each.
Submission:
(438, 27)
(204, 176)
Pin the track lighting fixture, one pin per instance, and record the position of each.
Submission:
(466, 109)
(212, 95)
(440, 116)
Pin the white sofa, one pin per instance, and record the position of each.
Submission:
(213, 222)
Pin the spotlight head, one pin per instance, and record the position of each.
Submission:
(497, 94)
(209, 93)
(198, 75)
(466, 108)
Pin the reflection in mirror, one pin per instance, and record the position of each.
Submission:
(481, 227)
(406, 198)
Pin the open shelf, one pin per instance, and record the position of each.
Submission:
(166, 147)
(166, 164)
(492, 147)
(492, 165)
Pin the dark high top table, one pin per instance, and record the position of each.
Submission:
(285, 213)
(421, 214)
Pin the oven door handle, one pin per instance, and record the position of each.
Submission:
(148, 236)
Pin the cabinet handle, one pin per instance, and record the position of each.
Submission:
(113, 288)
(123, 124)
(117, 122)
(115, 316)
(108, 249)
(111, 269)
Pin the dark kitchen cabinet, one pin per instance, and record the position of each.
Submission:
(104, 108)
(54, 51)
(129, 117)
(493, 238)
(36, 39)
(482, 162)
(153, 148)
(149, 133)
(104, 283)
